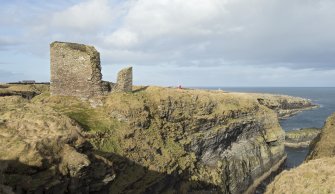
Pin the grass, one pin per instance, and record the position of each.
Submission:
(39, 88)
(324, 144)
(104, 130)
(316, 176)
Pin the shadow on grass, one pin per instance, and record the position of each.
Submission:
(140, 89)
(130, 178)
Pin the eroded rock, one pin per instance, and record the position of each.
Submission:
(301, 138)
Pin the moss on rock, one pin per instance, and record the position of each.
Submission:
(301, 137)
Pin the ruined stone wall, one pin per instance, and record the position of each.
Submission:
(124, 80)
(75, 70)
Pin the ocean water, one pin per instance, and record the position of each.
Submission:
(323, 96)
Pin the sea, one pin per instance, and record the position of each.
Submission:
(314, 118)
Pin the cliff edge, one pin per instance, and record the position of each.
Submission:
(153, 140)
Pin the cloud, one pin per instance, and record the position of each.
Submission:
(122, 38)
(86, 16)
(150, 20)
(296, 34)
(279, 36)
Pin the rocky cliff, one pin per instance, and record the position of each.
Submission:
(317, 174)
(301, 138)
(160, 140)
(284, 106)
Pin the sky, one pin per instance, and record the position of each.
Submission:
(224, 43)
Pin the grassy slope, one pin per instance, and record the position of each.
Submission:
(324, 145)
(317, 174)
(40, 147)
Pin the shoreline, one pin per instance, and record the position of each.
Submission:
(297, 111)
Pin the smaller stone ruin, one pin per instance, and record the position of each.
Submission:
(76, 71)
(124, 80)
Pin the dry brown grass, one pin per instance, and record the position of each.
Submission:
(40, 88)
(324, 145)
(24, 127)
(316, 176)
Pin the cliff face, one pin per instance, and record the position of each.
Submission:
(317, 174)
(159, 139)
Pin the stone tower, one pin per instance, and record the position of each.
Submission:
(124, 80)
(75, 70)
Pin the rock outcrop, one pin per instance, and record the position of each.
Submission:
(159, 140)
(285, 106)
(301, 138)
(124, 80)
(317, 174)
(42, 151)
(75, 70)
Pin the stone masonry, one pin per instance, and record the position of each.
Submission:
(75, 70)
(124, 80)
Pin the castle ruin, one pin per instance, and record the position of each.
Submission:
(125, 80)
(76, 71)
